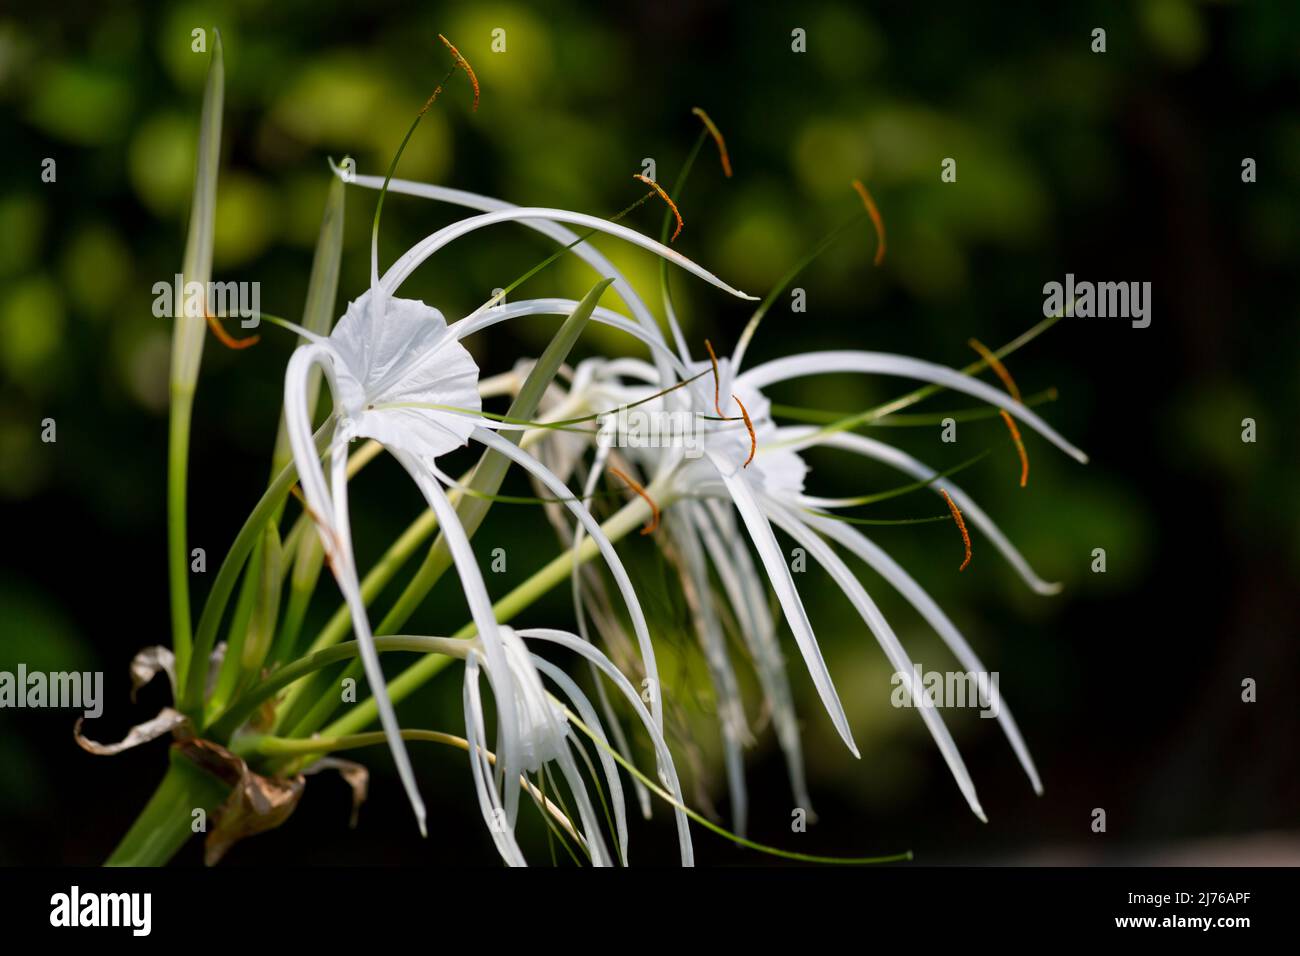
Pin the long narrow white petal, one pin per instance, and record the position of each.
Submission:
(824, 555)
(400, 270)
(667, 769)
(769, 552)
(621, 579)
(580, 614)
(489, 800)
(509, 760)
(726, 689)
(740, 582)
(895, 458)
(553, 230)
(336, 539)
(889, 569)
(607, 764)
(883, 363)
(478, 321)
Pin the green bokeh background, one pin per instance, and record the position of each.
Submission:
(1117, 166)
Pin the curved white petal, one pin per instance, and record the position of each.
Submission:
(483, 319)
(331, 518)
(889, 569)
(824, 555)
(667, 769)
(580, 614)
(769, 552)
(621, 579)
(740, 581)
(895, 458)
(883, 363)
(489, 799)
(553, 230)
(403, 267)
(731, 711)
(607, 764)
(510, 760)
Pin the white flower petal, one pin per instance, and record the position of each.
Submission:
(579, 511)
(730, 558)
(667, 769)
(483, 319)
(608, 766)
(824, 555)
(489, 800)
(422, 250)
(336, 539)
(889, 569)
(889, 455)
(883, 363)
(565, 237)
(769, 552)
(393, 351)
(731, 711)
(510, 760)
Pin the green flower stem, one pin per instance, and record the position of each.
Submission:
(229, 722)
(178, 557)
(268, 746)
(166, 822)
(205, 638)
(630, 516)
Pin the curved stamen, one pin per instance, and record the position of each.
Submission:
(464, 65)
(753, 438)
(1020, 445)
(717, 138)
(716, 382)
(225, 337)
(961, 526)
(876, 221)
(653, 523)
(995, 363)
(666, 198)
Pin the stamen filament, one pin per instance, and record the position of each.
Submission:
(225, 338)
(464, 65)
(717, 138)
(753, 438)
(876, 221)
(716, 381)
(995, 363)
(666, 198)
(1020, 446)
(961, 526)
(653, 523)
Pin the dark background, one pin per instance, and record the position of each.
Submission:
(1123, 166)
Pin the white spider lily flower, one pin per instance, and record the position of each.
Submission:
(546, 738)
(769, 492)
(400, 376)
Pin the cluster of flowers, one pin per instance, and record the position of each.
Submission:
(400, 375)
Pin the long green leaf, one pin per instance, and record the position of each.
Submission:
(188, 334)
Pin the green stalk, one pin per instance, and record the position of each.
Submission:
(188, 335)
(228, 574)
(166, 822)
